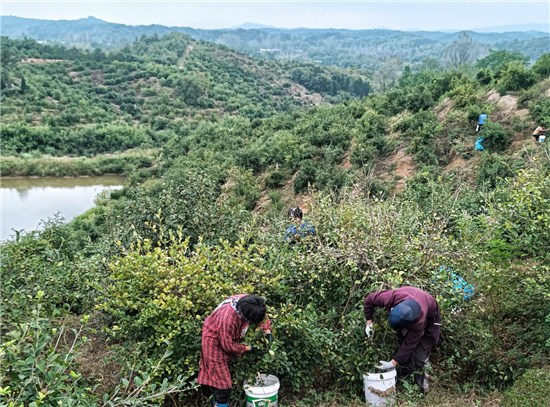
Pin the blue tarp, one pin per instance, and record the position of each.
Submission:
(478, 144)
(460, 286)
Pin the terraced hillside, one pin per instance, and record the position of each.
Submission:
(60, 98)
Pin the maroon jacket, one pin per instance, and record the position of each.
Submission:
(422, 328)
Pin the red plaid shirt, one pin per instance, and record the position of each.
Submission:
(221, 335)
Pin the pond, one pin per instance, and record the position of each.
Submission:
(25, 202)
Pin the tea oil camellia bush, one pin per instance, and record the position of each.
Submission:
(495, 137)
(160, 295)
(314, 290)
(41, 362)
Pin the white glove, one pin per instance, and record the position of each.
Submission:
(385, 365)
(369, 330)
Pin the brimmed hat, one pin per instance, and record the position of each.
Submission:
(403, 314)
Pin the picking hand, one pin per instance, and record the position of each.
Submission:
(385, 365)
(256, 351)
(369, 330)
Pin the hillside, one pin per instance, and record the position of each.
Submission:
(107, 310)
(366, 49)
(156, 86)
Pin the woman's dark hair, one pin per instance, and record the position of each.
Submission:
(295, 213)
(252, 308)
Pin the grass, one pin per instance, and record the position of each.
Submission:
(48, 166)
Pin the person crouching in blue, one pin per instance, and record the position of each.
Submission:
(299, 229)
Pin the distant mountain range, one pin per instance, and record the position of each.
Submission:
(360, 48)
(251, 26)
(514, 28)
(545, 28)
(542, 27)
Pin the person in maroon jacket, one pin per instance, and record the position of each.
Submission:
(221, 335)
(415, 315)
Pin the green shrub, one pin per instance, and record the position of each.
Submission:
(514, 77)
(492, 168)
(522, 211)
(495, 137)
(275, 179)
(305, 177)
(40, 367)
(530, 390)
(501, 58)
(463, 92)
(485, 76)
(185, 199)
(421, 129)
(542, 66)
(242, 188)
(370, 140)
(539, 111)
(36, 370)
(51, 261)
(526, 95)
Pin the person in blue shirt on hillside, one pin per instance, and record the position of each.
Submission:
(481, 122)
(298, 230)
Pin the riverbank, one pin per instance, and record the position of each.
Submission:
(104, 164)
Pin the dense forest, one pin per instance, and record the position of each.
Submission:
(107, 310)
(366, 49)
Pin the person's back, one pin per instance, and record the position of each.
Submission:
(540, 133)
(481, 122)
(415, 316)
(298, 230)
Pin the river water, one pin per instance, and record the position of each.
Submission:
(25, 202)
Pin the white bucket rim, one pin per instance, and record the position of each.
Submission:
(376, 376)
(265, 391)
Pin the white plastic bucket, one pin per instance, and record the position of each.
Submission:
(542, 139)
(264, 393)
(380, 388)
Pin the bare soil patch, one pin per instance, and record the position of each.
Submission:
(405, 164)
(97, 77)
(40, 61)
(508, 106)
(443, 108)
(404, 168)
(300, 93)
(346, 164)
(456, 162)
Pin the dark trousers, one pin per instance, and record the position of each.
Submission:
(221, 396)
(415, 364)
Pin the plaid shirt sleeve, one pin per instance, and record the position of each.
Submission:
(266, 325)
(226, 336)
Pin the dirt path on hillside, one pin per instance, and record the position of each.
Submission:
(346, 164)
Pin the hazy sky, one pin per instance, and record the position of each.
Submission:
(428, 15)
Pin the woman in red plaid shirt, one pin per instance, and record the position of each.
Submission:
(221, 335)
